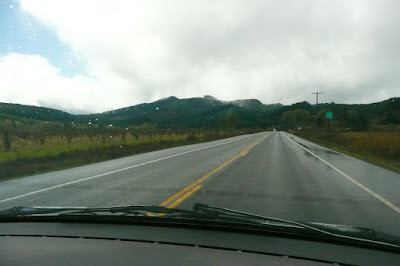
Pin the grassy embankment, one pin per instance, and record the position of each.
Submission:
(381, 147)
(27, 157)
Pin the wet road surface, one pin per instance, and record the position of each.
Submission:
(271, 173)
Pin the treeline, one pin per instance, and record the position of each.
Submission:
(345, 117)
(208, 112)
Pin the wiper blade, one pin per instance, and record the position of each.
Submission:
(137, 210)
(225, 212)
(200, 212)
(218, 212)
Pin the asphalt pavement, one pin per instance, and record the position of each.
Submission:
(270, 173)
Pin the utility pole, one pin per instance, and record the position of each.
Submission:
(317, 93)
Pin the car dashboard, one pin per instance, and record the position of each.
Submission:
(32, 243)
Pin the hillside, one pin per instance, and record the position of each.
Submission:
(192, 112)
(20, 111)
(209, 112)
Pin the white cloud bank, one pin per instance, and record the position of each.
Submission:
(275, 51)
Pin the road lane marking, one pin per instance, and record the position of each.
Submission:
(118, 170)
(376, 195)
(192, 188)
(175, 203)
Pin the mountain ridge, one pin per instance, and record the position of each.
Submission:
(207, 111)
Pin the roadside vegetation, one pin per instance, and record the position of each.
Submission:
(30, 147)
(369, 132)
(37, 139)
(380, 147)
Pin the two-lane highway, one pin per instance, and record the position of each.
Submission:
(272, 173)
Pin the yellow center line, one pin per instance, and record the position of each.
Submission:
(175, 203)
(192, 188)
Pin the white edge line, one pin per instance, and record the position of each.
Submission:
(118, 170)
(376, 195)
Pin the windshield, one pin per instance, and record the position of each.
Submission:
(284, 109)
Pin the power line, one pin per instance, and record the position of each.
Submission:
(317, 93)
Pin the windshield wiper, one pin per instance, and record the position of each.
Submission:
(218, 212)
(200, 212)
(225, 212)
(132, 210)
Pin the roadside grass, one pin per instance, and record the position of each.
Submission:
(27, 157)
(23, 148)
(378, 147)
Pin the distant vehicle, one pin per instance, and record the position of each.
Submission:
(153, 235)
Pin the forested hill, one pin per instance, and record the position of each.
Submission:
(192, 112)
(209, 112)
(20, 111)
(168, 112)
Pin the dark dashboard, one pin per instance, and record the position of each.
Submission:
(105, 244)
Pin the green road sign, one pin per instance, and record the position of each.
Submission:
(328, 115)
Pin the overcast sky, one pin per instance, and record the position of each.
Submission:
(96, 55)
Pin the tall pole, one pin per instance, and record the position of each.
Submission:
(317, 93)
